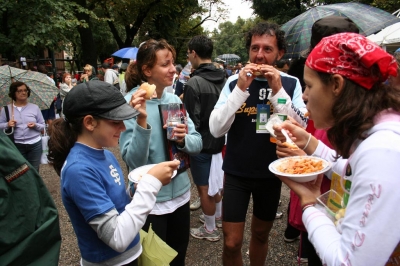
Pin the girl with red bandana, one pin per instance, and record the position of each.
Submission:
(344, 75)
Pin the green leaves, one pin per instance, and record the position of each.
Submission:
(29, 25)
(230, 39)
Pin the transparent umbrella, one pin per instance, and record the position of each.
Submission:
(367, 18)
(229, 57)
(43, 91)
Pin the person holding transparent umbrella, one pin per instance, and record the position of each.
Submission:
(26, 121)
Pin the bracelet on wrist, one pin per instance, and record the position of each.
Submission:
(306, 206)
(308, 141)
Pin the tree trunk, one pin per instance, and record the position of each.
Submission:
(89, 48)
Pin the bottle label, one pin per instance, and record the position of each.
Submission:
(263, 112)
(281, 101)
(282, 117)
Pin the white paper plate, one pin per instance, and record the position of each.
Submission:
(301, 178)
(137, 174)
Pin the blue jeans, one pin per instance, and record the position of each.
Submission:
(31, 152)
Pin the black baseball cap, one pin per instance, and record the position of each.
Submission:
(97, 98)
(330, 25)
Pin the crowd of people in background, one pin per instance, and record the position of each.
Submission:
(354, 123)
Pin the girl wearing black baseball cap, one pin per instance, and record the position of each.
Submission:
(105, 217)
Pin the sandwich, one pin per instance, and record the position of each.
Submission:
(149, 88)
(258, 71)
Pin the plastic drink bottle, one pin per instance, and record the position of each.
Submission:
(174, 118)
(282, 116)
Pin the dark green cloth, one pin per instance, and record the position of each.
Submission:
(29, 226)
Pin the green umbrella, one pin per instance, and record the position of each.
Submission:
(43, 90)
(367, 18)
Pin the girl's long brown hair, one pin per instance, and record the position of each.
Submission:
(63, 136)
(146, 56)
(355, 109)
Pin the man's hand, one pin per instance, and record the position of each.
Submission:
(273, 76)
(246, 76)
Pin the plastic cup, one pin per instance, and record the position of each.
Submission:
(171, 124)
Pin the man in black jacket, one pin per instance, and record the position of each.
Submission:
(201, 94)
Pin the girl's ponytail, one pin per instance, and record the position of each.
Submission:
(63, 135)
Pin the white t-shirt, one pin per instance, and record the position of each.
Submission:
(110, 76)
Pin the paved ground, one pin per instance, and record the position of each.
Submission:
(199, 252)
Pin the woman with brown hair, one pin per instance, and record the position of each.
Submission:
(27, 121)
(142, 142)
(344, 76)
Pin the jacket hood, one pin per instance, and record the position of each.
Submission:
(209, 72)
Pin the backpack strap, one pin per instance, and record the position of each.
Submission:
(7, 113)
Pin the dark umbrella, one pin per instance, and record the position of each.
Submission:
(127, 53)
(229, 57)
(367, 18)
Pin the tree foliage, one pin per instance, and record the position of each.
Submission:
(388, 5)
(173, 20)
(93, 29)
(230, 39)
(28, 25)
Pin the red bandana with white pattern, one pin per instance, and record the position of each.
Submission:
(352, 56)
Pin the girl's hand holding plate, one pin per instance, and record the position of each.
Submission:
(163, 171)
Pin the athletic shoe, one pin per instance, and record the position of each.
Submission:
(278, 215)
(218, 221)
(195, 204)
(290, 240)
(302, 260)
(203, 233)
